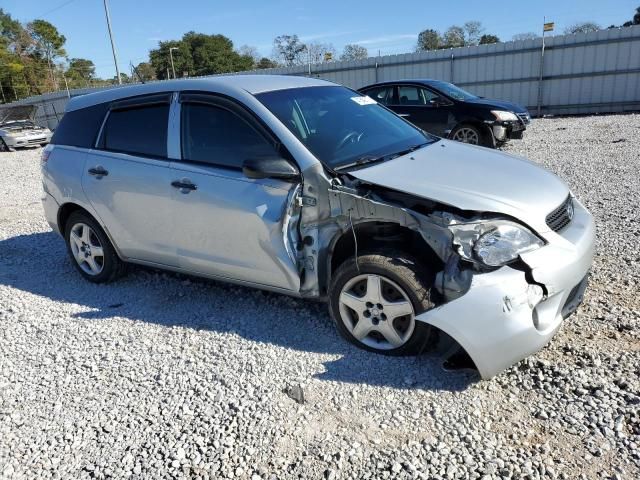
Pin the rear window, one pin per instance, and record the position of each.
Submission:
(79, 128)
(141, 130)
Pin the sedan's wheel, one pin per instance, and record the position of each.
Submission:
(90, 249)
(375, 302)
(3, 146)
(467, 134)
(377, 312)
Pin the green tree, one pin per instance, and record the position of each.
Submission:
(265, 62)
(289, 50)
(429, 39)
(487, 39)
(80, 72)
(353, 51)
(145, 72)
(455, 36)
(198, 54)
(49, 43)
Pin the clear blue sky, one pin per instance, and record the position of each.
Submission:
(388, 26)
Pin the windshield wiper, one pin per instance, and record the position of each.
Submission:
(369, 159)
(364, 160)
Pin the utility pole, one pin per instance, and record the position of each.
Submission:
(66, 85)
(546, 27)
(113, 46)
(173, 68)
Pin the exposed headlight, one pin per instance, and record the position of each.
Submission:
(493, 242)
(504, 116)
(504, 244)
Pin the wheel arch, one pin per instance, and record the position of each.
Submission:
(375, 235)
(65, 211)
(484, 129)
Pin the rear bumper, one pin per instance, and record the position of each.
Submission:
(51, 208)
(503, 318)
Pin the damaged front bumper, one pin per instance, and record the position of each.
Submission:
(504, 317)
(509, 130)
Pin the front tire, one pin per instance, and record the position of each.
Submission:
(90, 249)
(374, 303)
(4, 147)
(467, 133)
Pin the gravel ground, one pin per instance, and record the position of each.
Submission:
(162, 376)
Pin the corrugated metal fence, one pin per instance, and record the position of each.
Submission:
(581, 74)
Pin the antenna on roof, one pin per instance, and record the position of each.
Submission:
(135, 70)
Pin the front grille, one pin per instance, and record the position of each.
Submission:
(525, 117)
(561, 216)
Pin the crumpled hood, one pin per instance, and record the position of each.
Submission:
(473, 178)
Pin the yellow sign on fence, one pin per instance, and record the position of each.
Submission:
(548, 27)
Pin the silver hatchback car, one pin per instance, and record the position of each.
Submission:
(308, 188)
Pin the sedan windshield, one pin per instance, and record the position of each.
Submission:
(341, 127)
(452, 91)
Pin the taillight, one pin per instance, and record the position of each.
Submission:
(45, 153)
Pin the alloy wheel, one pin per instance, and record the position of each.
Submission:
(466, 135)
(86, 248)
(377, 312)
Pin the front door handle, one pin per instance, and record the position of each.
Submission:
(185, 185)
(404, 115)
(98, 171)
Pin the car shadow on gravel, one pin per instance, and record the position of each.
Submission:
(38, 264)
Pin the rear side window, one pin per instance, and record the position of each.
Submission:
(215, 135)
(139, 130)
(79, 128)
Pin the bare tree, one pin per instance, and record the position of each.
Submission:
(250, 51)
(289, 50)
(320, 52)
(353, 51)
(524, 36)
(472, 32)
(584, 27)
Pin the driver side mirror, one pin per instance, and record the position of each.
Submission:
(439, 102)
(270, 167)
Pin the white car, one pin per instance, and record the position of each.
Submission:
(18, 129)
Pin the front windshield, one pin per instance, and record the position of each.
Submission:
(341, 127)
(452, 91)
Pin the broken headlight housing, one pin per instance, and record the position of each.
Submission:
(504, 116)
(495, 242)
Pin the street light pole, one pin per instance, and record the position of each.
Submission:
(113, 46)
(173, 68)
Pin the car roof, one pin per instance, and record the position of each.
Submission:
(412, 81)
(253, 84)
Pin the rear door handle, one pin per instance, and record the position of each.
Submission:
(404, 115)
(98, 171)
(184, 184)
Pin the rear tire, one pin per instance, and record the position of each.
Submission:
(90, 249)
(374, 303)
